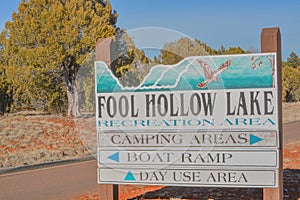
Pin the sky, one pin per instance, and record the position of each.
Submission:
(215, 22)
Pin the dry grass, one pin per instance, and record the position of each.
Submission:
(33, 139)
(291, 112)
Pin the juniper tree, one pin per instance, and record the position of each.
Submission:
(47, 40)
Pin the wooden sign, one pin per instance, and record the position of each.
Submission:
(206, 121)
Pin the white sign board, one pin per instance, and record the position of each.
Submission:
(188, 139)
(190, 177)
(188, 157)
(211, 113)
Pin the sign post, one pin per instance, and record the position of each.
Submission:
(104, 53)
(271, 42)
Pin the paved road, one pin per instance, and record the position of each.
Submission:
(65, 182)
(54, 183)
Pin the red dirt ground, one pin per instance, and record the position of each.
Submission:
(125, 192)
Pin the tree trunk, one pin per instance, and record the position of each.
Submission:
(73, 100)
(69, 71)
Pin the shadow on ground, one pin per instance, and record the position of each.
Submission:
(291, 191)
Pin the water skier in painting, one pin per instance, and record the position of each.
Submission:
(209, 74)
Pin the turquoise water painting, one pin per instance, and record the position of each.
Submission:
(199, 73)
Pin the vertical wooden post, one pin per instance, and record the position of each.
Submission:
(104, 50)
(271, 42)
(104, 53)
(108, 192)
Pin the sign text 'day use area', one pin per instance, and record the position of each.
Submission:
(205, 121)
(190, 177)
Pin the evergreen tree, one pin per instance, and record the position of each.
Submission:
(175, 51)
(222, 50)
(130, 64)
(47, 41)
(231, 50)
(290, 84)
(293, 60)
(5, 89)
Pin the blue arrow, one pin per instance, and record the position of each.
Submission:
(129, 177)
(115, 157)
(254, 139)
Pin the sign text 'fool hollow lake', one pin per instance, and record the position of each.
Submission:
(206, 121)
